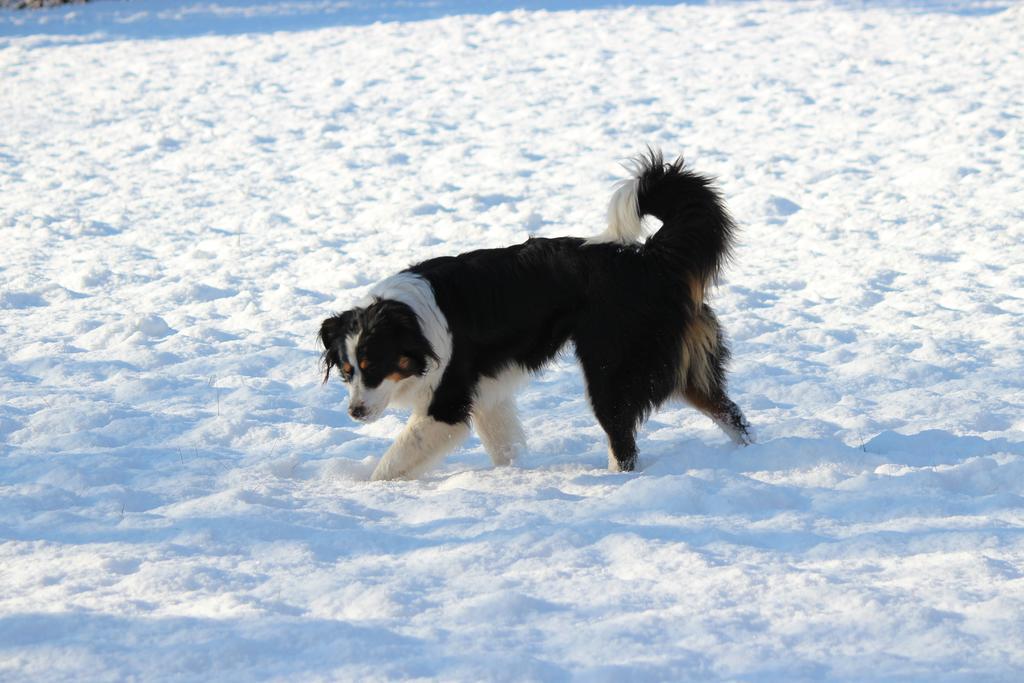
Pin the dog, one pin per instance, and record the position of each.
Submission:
(452, 338)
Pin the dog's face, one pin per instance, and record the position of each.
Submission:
(378, 350)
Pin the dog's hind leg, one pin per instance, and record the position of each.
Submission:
(622, 452)
(500, 431)
(726, 414)
(618, 415)
(625, 381)
(702, 377)
(422, 443)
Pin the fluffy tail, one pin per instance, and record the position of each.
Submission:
(696, 230)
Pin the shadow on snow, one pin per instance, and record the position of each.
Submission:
(101, 20)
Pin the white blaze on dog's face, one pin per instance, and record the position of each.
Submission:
(380, 352)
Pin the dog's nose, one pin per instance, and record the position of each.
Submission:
(358, 412)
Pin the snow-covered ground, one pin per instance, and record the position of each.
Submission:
(180, 498)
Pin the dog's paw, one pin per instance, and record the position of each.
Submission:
(382, 473)
(615, 466)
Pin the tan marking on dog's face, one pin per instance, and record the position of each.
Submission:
(362, 364)
(404, 369)
(346, 367)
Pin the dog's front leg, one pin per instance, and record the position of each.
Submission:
(422, 443)
(500, 431)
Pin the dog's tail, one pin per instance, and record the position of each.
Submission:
(696, 230)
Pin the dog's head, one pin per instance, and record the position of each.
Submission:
(379, 352)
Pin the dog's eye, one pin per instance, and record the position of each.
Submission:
(346, 371)
(363, 364)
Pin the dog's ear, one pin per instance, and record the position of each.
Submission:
(333, 331)
(399, 323)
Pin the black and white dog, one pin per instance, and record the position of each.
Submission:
(452, 338)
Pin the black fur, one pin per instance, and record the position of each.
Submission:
(389, 333)
(700, 231)
(332, 337)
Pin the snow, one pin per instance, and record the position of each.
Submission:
(189, 188)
